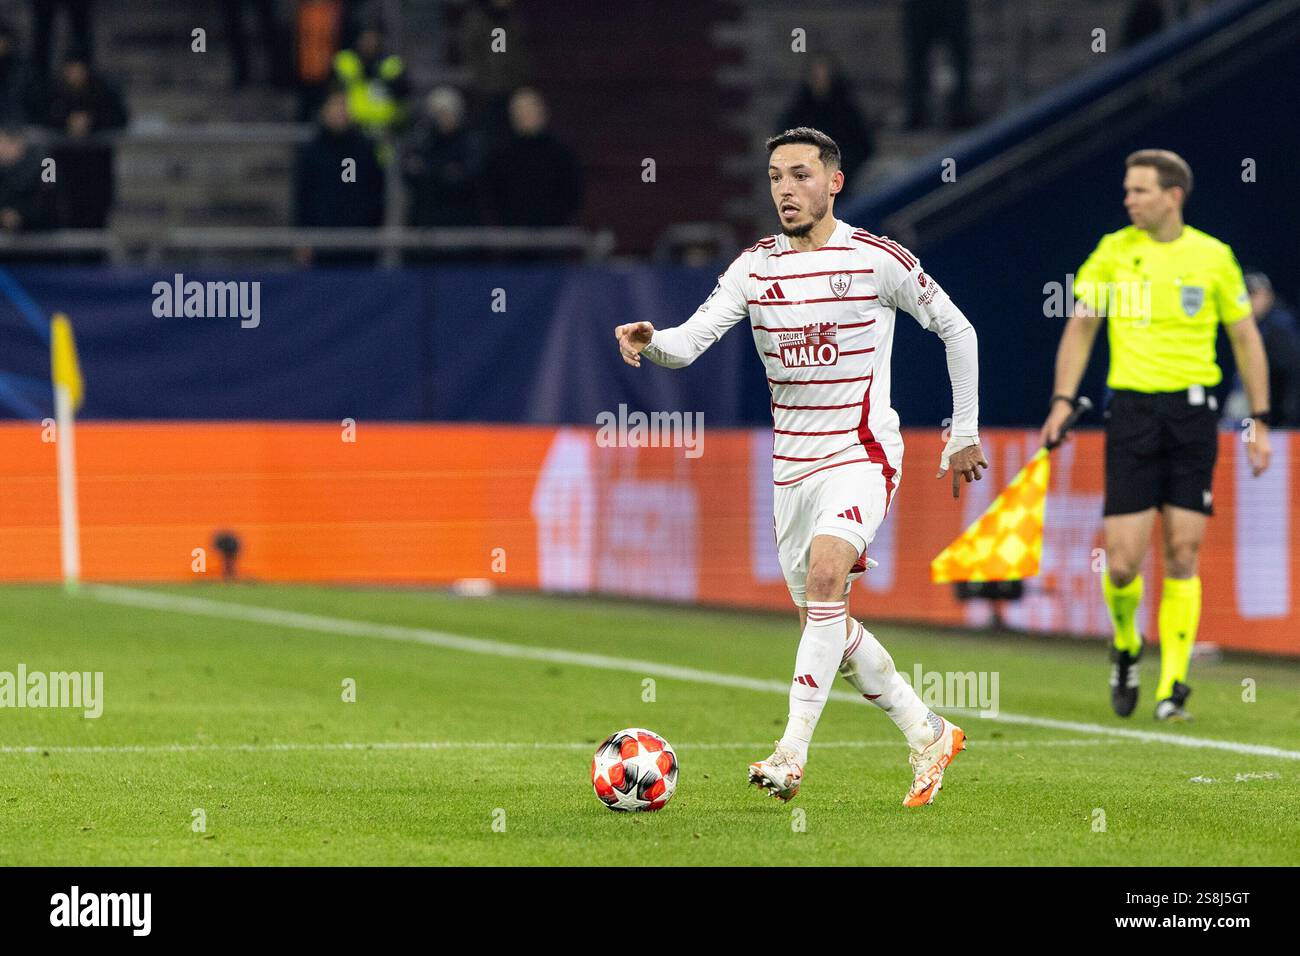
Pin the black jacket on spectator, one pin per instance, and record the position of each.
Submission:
(1282, 347)
(534, 181)
(23, 191)
(15, 82)
(86, 184)
(322, 198)
(836, 115)
(443, 172)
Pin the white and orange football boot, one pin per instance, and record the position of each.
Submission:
(780, 774)
(929, 763)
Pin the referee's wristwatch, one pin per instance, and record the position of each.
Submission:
(1068, 399)
(1264, 418)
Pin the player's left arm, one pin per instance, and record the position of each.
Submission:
(1248, 350)
(921, 296)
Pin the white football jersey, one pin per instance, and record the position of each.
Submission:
(823, 323)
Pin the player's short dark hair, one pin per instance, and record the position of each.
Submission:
(1171, 169)
(828, 151)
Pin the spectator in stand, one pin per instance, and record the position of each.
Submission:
(323, 197)
(825, 102)
(442, 165)
(82, 104)
(927, 24)
(532, 178)
(495, 72)
(276, 67)
(320, 27)
(1281, 334)
(79, 22)
(26, 201)
(15, 81)
(375, 82)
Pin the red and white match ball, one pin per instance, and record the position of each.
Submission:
(634, 769)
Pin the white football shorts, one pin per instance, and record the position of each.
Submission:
(847, 501)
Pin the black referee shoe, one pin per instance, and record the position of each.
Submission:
(1123, 681)
(1171, 708)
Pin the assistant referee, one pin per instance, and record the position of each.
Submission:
(1163, 288)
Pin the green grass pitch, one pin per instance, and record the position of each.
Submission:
(467, 758)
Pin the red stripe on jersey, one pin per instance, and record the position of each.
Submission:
(833, 298)
(874, 451)
(824, 381)
(855, 461)
(862, 233)
(815, 408)
(884, 248)
(818, 458)
(889, 242)
(842, 431)
(791, 252)
(890, 246)
(767, 243)
(800, 328)
(849, 352)
(813, 275)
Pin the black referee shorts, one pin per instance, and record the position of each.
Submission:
(1160, 450)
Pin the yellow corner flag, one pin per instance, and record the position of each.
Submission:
(68, 393)
(64, 368)
(1006, 542)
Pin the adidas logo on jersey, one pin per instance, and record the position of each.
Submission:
(810, 346)
(772, 293)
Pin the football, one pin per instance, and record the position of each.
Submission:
(634, 769)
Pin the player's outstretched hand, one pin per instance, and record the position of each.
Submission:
(965, 462)
(632, 339)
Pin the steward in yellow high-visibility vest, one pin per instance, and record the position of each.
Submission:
(376, 85)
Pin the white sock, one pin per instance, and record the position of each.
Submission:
(821, 647)
(870, 669)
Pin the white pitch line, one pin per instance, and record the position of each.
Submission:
(276, 617)
(585, 746)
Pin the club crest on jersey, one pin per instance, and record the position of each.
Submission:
(840, 283)
(812, 345)
(1193, 299)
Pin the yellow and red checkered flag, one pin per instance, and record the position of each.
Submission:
(1006, 542)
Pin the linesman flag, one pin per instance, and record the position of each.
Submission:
(1006, 542)
(64, 367)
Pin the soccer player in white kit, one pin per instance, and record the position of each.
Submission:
(820, 298)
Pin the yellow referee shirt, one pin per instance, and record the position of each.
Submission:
(1163, 302)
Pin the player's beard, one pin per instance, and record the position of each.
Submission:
(818, 214)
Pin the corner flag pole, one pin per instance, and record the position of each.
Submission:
(68, 395)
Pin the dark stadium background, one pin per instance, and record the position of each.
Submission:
(209, 175)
